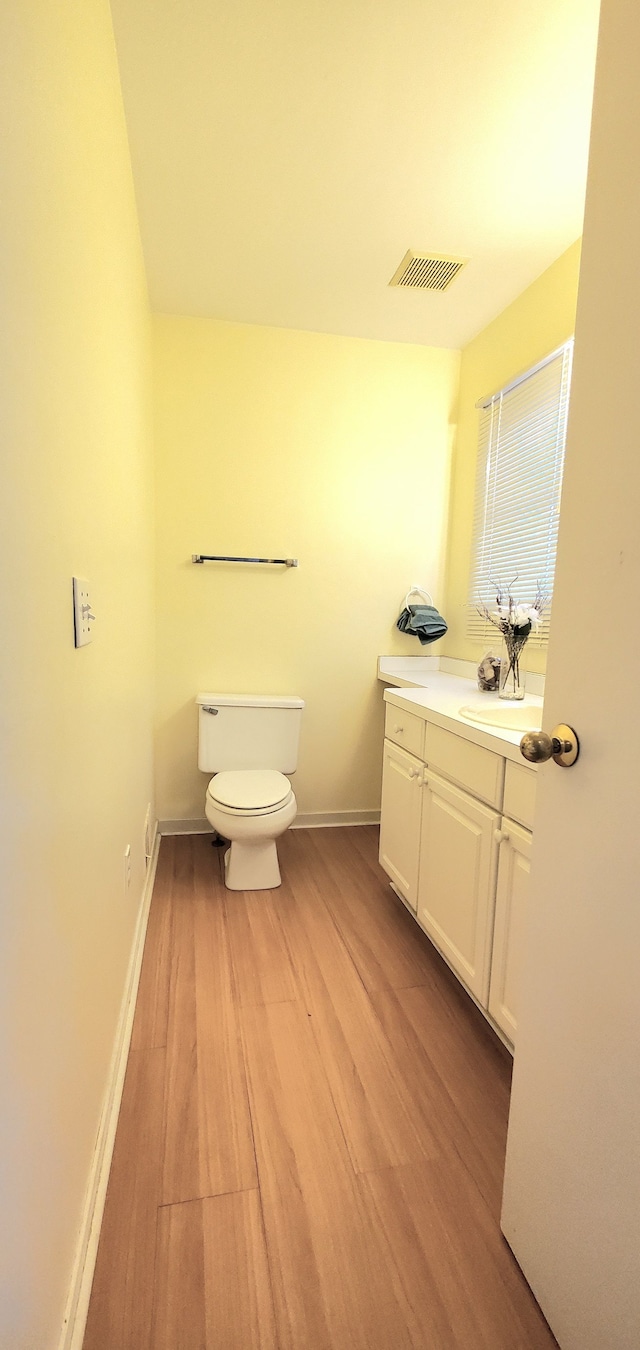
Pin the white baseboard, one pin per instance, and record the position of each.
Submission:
(323, 819)
(196, 826)
(153, 848)
(73, 1326)
(310, 821)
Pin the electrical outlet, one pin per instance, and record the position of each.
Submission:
(127, 867)
(83, 616)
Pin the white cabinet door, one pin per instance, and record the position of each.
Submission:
(457, 879)
(400, 819)
(511, 898)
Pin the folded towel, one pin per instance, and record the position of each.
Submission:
(423, 622)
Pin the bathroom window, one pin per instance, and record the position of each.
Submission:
(519, 479)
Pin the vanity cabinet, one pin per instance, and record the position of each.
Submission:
(455, 856)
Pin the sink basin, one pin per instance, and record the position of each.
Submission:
(511, 717)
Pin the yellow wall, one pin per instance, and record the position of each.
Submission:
(535, 324)
(75, 767)
(276, 443)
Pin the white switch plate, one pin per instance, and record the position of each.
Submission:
(82, 613)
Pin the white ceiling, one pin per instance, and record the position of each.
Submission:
(287, 153)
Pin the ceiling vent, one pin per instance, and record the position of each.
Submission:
(427, 271)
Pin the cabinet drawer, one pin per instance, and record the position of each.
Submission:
(405, 729)
(520, 793)
(470, 765)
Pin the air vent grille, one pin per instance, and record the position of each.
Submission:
(427, 271)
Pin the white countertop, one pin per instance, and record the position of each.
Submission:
(438, 696)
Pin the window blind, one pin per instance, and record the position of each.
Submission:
(519, 478)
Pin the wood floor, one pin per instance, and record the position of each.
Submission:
(310, 1148)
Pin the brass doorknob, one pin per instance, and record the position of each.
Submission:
(562, 746)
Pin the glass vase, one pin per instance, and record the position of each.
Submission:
(511, 667)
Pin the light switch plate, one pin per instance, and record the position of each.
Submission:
(82, 612)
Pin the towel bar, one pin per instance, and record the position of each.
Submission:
(218, 557)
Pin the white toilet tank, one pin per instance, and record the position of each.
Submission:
(248, 731)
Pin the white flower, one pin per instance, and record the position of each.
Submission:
(515, 621)
(524, 614)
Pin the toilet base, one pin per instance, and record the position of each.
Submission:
(252, 865)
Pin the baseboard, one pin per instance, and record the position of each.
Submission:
(311, 821)
(155, 844)
(196, 826)
(75, 1318)
(323, 819)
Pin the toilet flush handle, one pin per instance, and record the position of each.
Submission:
(214, 711)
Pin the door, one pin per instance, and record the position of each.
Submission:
(456, 886)
(512, 891)
(400, 819)
(571, 1209)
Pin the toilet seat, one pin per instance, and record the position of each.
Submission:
(250, 792)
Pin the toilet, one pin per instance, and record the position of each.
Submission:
(249, 742)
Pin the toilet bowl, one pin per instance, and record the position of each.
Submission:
(251, 808)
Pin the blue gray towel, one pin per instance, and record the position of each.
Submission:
(423, 622)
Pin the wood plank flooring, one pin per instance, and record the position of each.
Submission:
(310, 1148)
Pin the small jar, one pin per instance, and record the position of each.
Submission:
(489, 673)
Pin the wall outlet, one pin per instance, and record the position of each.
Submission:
(127, 868)
(83, 615)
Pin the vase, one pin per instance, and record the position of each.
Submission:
(511, 668)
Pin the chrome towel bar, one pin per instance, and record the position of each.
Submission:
(218, 557)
